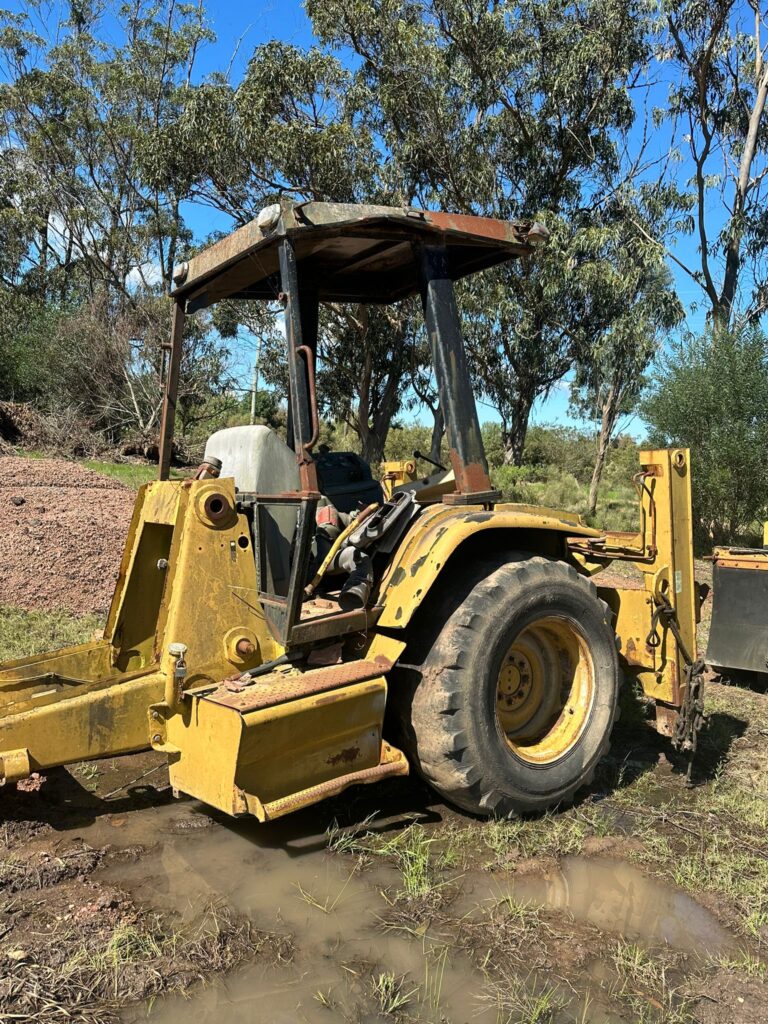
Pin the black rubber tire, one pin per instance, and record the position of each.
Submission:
(448, 712)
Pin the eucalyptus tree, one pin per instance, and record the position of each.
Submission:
(83, 118)
(296, 125)
(509, 109)
(717, 116)
(710, 394)
(640, 309)
(90, 227)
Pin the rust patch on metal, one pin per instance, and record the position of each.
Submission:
(245, 647)
(666, 720)
(282, 687)
(217, 508)
(418, 564)
(470, 477)
(512, 233)
(323, 626)
(630, 654)
(345, 756)
(760, 562)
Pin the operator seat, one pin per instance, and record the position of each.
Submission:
(262, 463)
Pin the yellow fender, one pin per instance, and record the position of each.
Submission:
(441, 529)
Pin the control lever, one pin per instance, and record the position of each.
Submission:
(438, 465)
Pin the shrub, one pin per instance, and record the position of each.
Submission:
(711, 396)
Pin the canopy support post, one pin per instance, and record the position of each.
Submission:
(171, 389)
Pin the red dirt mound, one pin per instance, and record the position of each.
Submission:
(62, 530)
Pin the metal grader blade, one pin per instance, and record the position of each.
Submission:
(738, 636)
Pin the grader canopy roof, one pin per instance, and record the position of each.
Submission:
(347, 253)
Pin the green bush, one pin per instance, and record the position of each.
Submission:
(567, 448)
(553, 487)
(711, 396)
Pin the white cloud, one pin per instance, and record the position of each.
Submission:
(148, 274)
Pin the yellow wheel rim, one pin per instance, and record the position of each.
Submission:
(545, 690)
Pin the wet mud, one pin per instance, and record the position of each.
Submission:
(646, 901)
(516, 940)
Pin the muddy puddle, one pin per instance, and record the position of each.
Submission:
(286, 881)
(617, 897)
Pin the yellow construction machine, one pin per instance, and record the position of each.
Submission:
(476, 650)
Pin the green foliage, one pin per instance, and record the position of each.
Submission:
(90, 228)
(515, 110)
(27, 325)
(227, 409)
(556, 471)
(132, 474)
(297, 124)
(565, 448)
(403, 440)
(85, 108)
(711, 395)
(493, 442)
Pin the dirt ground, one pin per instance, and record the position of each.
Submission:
(62, 535)
(646, 901)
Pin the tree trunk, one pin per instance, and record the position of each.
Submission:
(607, 423)
(514, 438)
(373, 429)
(372, 447)
(437, 434)
(722, 313)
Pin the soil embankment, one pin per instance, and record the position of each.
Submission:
(62, 534)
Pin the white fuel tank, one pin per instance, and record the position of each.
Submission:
(256, 457)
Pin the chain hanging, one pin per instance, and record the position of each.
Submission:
(691, 715)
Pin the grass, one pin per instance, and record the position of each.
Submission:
(132, 474)
(329, 904)
(711, 841)
(499, 844)
(717, 841)
(422, 855)
(392, 994)
(744, 962)
(554, 487)
(24, 633)
(435, 961)
(419, 856)
(645, 985)
(87, 976)
(520, 1000)
(411, 850)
